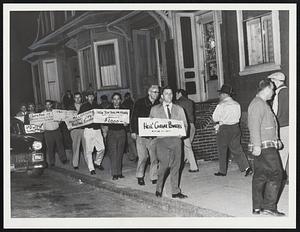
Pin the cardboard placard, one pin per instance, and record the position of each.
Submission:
(30, 129)
(80, 120)
(40, 118)
(63, 115)
(161, 127)
(111, 116)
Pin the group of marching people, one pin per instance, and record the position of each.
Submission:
(166, 152)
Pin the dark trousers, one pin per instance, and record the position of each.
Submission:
(229, 136)
(115, 149)
(169, 156)
(54, 139)
(267, 179)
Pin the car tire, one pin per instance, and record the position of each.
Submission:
(35, 172)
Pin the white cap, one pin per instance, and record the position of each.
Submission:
(277, 76)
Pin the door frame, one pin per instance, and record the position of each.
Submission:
(46, 78)
(216, 17)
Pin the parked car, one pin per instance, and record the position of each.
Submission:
(27, 152)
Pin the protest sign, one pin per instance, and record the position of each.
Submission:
(111, 116)
(104, 116)
(40, 118)
(161, 127)
(63, 115)
(30, 129)
(80, 120)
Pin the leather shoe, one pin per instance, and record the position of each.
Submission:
(272, 212)
(249, 172)
(256, 211)
(141, 181)
(197, 170)
(158, 194)
(219, 174)
(154, 181)
(93, 172)
(100, 167)
(179, 195)
(75, 167)
(121, 176)
(115, 177)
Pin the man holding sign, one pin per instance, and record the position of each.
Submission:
(169, 148)
(92, 137)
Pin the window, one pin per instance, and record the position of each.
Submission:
(259, 47)
(86, 67)
(107, 63)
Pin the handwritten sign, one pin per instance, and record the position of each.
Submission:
(80, 120)
(161, 127)
(40, 118)
(63, 115)
(103, 116)
(111, 116)
(30, 129)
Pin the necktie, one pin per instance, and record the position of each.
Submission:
(169, 112)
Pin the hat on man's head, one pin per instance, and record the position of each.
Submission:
(226, 89)
(277, 76)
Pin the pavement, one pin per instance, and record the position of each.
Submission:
(208, 195)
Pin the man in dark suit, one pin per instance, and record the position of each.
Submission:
(169, 148)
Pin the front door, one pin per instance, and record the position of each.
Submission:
(208, 35)
(51, 80)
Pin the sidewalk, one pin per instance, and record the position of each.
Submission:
(214, 196)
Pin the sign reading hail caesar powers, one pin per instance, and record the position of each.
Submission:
(161, 127)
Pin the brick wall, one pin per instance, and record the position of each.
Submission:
(204, 144)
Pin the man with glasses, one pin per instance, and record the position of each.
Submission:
(145, 145)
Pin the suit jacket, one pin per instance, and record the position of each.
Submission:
(177, 113)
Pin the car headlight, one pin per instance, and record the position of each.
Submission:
(37, 145)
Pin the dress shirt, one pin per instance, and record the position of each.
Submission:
(227, 112)
(166, 109)
(51, 125)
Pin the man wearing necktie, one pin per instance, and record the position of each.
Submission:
(169, 148)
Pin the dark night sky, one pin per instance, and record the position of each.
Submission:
(23, 26)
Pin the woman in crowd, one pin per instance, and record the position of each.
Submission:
(116, 138)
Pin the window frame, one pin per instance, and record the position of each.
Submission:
(117, 57)
(258, 68)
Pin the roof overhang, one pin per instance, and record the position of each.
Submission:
(33, 56)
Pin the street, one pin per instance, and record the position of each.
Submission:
(53, 195)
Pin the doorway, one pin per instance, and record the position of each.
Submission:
(51, 80)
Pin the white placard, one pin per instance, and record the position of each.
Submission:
(40, 118)
(30, 129)
(80, 120)
(111, 116)
(161, 127)
(63, 115)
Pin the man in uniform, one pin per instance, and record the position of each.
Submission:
(281, 110)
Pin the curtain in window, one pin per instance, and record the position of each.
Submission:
(107, 64)
(87, 66)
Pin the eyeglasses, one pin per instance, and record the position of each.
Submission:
(154, 91)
